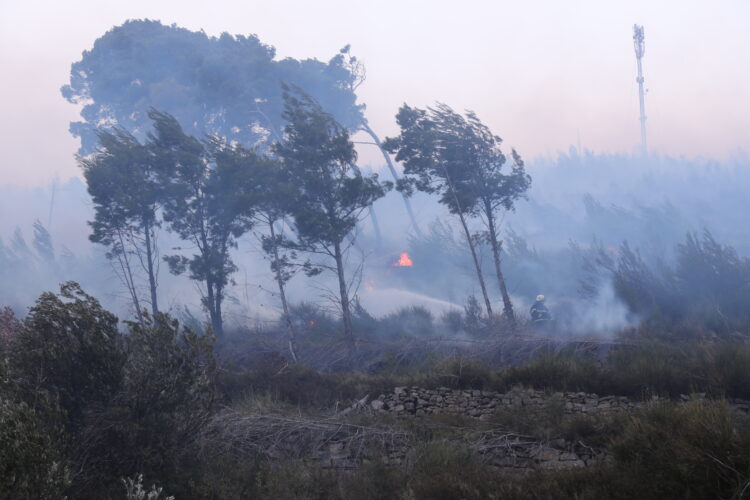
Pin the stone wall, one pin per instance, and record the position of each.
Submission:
(404, 401)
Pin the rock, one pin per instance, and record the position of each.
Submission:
(377, 405)
(544, 454)
(559, 443)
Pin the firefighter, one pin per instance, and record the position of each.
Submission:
(540, 314)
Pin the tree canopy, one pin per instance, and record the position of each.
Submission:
(226, 85)
(331, 193)
(209, 199)
(459, 159)
(124, 185)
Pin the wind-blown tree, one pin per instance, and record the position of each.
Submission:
(494, 186)
(208, 201)
(126, 190)
(331, 194)
(459, 159)
(226, 85)
(275, 192)
(43, 243)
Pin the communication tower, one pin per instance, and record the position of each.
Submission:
(640, 48)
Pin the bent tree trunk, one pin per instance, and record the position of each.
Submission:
(473, 249)
(344, 295)
(389, 163)
(291, 333)
(477, 266)
(507, 304)
(127, 276)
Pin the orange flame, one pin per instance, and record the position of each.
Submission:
(404, 260)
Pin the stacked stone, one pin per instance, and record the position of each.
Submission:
(418, 401)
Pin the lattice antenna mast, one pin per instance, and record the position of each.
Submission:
(640, 48)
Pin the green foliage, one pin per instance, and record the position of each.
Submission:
(167, 397)
(442, 470)
(330, 193)
(134, 490)
(375, 481)
(652, 368)
(68, 352)
(96, 402)
(705, 293)
(696, 450)
(43, 242)
(209, 202)
(9, 327)
(226, 85)
(473, 322)
(122, 180)
(31, 466)
(411, 321)
(459, 159)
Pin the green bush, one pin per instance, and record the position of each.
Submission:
(31, 466)
(411, 321)
(167, 397)
(68, 351)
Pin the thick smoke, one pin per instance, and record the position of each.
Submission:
(580, 207)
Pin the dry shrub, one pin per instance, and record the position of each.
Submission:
(695, 450)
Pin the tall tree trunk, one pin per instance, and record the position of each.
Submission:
(507, 304)
(128, 277)
(148, 228)
(375, 227)
(344, 293)
(291, 333)
(407, 204)
(373, 218)
(477, 266)
(219, 321)
(211, 301)
(465, 226)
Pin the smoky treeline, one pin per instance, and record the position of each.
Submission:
(226, 300)
(197, 155)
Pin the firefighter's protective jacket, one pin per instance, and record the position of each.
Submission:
(540, 313)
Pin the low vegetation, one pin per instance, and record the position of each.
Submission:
(90, 410)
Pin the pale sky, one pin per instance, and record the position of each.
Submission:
(543, 74)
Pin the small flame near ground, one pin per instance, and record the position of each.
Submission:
(404, 260)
